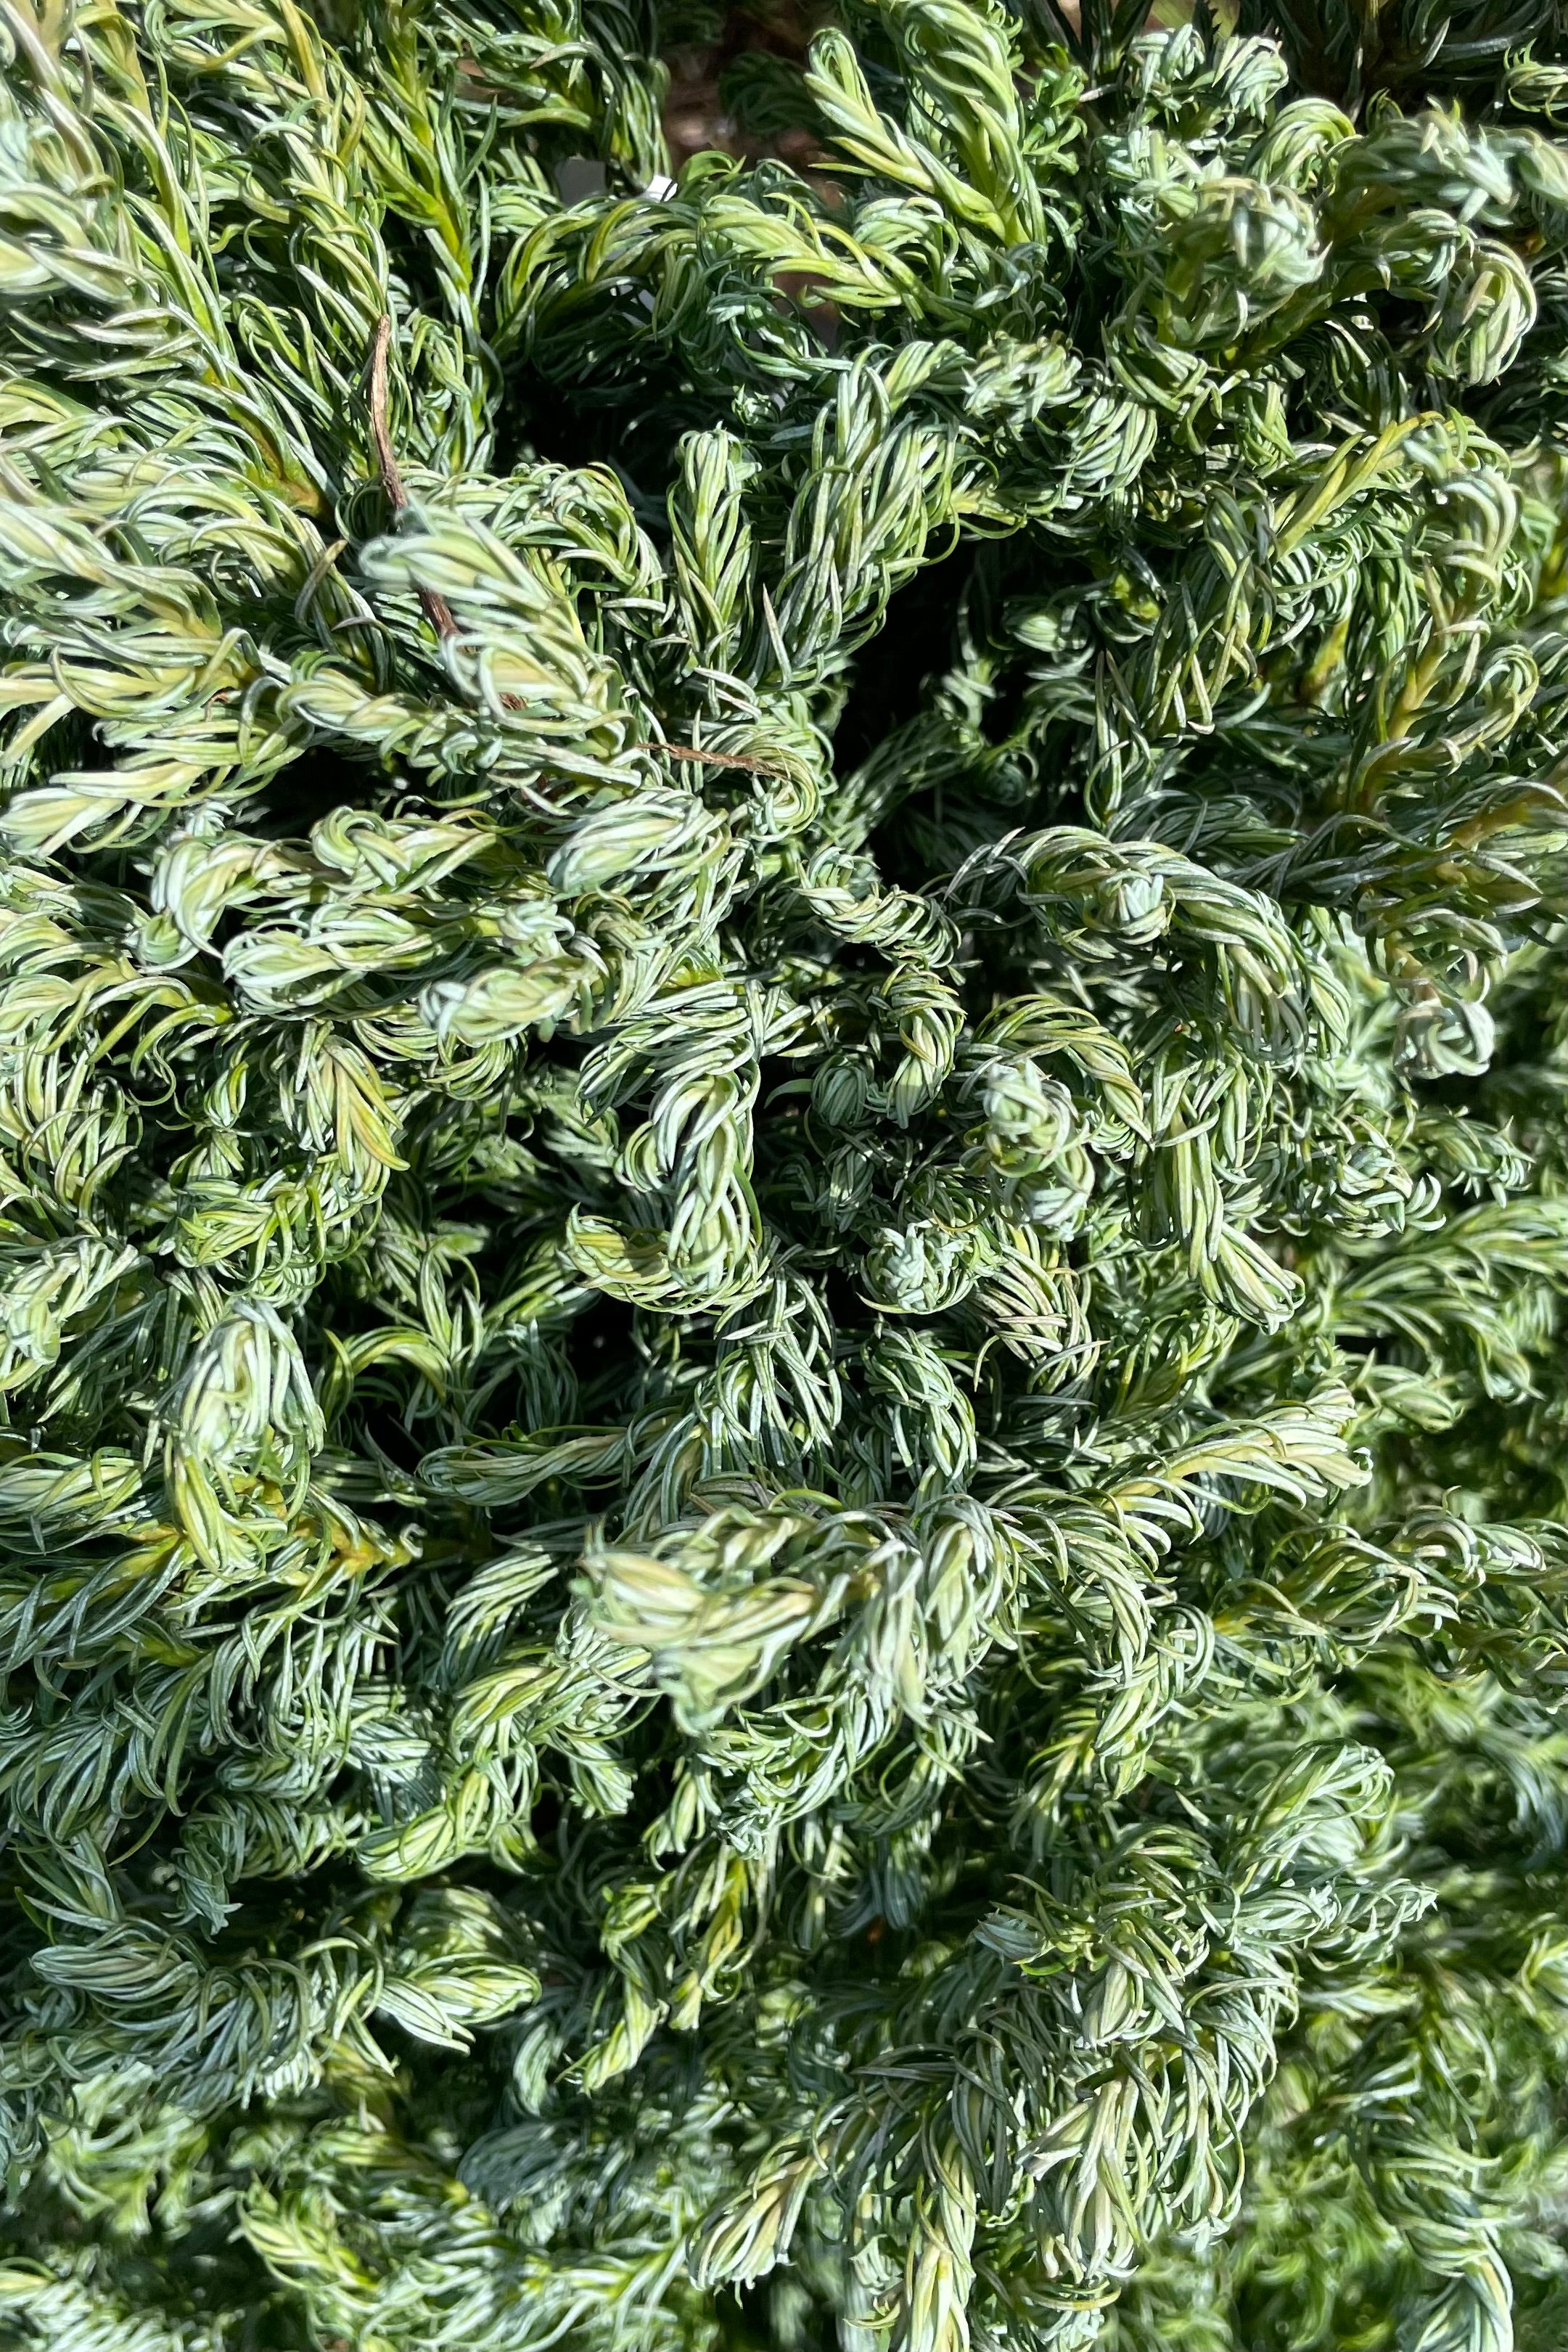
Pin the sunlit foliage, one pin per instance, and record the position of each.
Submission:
(780, 1121)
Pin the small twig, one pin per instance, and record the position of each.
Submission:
(720, 760)
(437, 611)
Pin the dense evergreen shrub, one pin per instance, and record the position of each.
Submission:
(782, 1150)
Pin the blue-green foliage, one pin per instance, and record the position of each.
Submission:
(782, 1147)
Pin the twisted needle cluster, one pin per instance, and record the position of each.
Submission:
(781, 1179)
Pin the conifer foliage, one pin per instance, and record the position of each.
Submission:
(781, 1072)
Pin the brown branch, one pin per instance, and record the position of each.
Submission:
(719, 760)
(437, 611)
